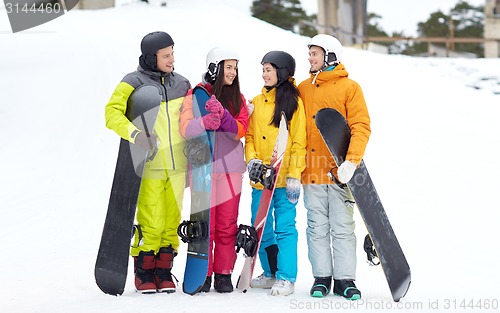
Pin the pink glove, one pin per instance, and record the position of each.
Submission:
(214, 106)
(211, 121)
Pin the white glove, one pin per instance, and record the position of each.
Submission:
(345, 171)
(292, 189)
(250, 107)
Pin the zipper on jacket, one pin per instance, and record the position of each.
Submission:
(169, 122)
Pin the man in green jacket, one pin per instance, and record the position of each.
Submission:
(160, 197)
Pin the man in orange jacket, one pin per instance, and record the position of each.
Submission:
(330, 230)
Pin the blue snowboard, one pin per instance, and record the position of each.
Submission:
(201, 184)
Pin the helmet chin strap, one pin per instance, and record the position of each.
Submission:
(315, 76)
(324, 67)
(316, 73)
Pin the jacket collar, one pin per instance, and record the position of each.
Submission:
(323, 76)
(155, 75)
(269, 94)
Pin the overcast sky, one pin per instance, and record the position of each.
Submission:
(395, 14)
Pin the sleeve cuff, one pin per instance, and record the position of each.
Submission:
(134, 135)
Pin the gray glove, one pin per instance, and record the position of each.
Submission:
(146, 143)
(252, 162)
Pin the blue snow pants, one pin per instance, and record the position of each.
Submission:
(279, 230)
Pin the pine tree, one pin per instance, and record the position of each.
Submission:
(373, 28)
(286, 14)
(468, 21)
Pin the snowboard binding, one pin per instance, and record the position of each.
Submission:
(191, 231)
(247, 239)
(371, 254)
(197, 152)
(262, 173)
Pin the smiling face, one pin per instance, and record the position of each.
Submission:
(165, 59)
(316, 58)
(269, 75)
(230, 71)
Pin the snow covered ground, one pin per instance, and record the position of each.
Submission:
(433, 156)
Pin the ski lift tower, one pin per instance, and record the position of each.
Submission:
(492, 28)
(344, 19)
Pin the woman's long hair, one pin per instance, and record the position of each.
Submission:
(228, 95)
(287, 101)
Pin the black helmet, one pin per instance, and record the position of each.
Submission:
(284, 63)
(151, 43)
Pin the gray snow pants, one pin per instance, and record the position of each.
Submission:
(330, 231)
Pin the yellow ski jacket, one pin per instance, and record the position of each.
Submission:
(174, 87)
(261, 136)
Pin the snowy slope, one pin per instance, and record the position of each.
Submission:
(432, 156)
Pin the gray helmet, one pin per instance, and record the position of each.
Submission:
(153, 42)
(283, 62)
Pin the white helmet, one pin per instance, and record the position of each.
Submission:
(331, 46)
(215, 56)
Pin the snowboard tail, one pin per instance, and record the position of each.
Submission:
(112, 258)
(336, 134)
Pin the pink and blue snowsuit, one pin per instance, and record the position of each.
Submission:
(228, 168)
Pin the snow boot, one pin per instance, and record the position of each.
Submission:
(144, 269)
(321, 287)
(262, 281)
(163, 275)
(346, 289)
(282, 287)
(223, 283)
(207, 284)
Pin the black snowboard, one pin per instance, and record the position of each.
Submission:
(112, 259)
(336, 134)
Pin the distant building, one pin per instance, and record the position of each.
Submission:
(344, 19)
(442, 52)
(378, 48)
(492, 28)
(95, 4)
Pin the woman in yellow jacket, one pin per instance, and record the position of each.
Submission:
(278, 248)
(162, 187)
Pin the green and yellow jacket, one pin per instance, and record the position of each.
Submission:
(173, 89)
